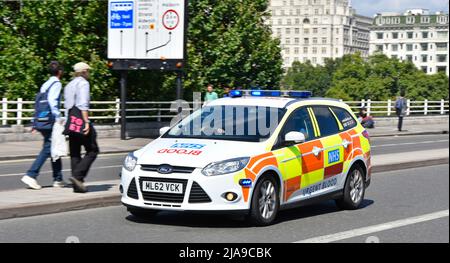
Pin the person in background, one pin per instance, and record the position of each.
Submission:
(210, 94)
(400, 109)
(226, 92)
(77, 93)
(52, 87)
(365, 119)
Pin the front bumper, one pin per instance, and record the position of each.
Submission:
(200, 193)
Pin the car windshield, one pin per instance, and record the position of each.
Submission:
(234, 123)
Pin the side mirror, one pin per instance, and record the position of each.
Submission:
(163, 130)
(294, 137)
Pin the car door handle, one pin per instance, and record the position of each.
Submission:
(345, 143)
(316, 151)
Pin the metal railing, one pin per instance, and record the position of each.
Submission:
(20, 111)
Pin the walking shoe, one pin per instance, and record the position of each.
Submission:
(59, 184)
(78, 186)
(31, 182)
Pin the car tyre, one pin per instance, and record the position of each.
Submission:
(142, 213)
(265, 202)
(354, 190)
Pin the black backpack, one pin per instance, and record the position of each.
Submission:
(43, 118)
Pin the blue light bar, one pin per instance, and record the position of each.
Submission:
(300, 94)
(236, 93)
(265, 93)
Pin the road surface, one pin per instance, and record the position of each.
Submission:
(401, 206)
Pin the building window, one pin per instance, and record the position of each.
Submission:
(394, 56)
(305, 50)
(315, 30)
(379, 48)
(314, 60)
(424, 58)
(306, 21)
(410, 20)
(395, 35)
(297, 30)
(425, 19)
(288, 31)
(324, 30)
(297, 40)
(424, 46)
(441, 46)
(324, 40)
(324, 50)
(409, 58)
(395, 47)
(315, 40)
(316, 21)
(306, 30)
(306, 41)
(409, 47)
(441, 69)
(441, 58)
(288, 41)
(410, 35)
(296, 50)
(287, 51)
(425, 34)
(314, 50)
(442, 34)
(424, 69)
(379, 35)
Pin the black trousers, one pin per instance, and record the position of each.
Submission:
(400, 119)
(80, 166)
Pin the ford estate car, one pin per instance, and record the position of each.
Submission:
(254, 153)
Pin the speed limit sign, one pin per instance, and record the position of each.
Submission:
(171, 19)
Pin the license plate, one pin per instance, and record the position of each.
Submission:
(162, 187)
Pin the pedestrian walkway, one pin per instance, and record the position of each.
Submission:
(25, 150)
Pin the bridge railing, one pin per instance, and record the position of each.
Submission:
(20, 111)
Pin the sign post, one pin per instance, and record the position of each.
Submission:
(146, 35)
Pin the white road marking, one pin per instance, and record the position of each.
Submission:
(407, 143)
(376, 228)
(65, 170)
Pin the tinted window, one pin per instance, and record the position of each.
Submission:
(300, 121)
(344, 117)
(327, 122)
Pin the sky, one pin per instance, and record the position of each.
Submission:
(371, 7)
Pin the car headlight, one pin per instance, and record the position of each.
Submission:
(225, 167)
(130, 162)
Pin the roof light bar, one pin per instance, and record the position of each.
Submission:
(271, 93)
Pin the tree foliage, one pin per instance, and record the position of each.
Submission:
(228, 44)
(377, 78)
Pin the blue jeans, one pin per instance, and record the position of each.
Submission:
(43, 156)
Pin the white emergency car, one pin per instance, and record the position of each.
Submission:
(255, 153)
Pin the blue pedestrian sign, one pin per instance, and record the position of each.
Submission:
(121, 14)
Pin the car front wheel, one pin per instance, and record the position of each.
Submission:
(265, 202)
(354, 190)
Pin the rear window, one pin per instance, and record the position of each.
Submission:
(346, 119)
(326, 120)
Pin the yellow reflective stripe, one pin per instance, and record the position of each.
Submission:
(311, 116)
(316, 125)
(337, 120)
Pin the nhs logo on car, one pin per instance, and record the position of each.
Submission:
(334, 156)
(188, 146)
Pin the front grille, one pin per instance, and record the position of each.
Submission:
(163, 197)
(198, 195)
(176, 169)
(132, 190)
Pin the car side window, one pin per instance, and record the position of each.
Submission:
(300, 121)
(326, 121)
(346, 119)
